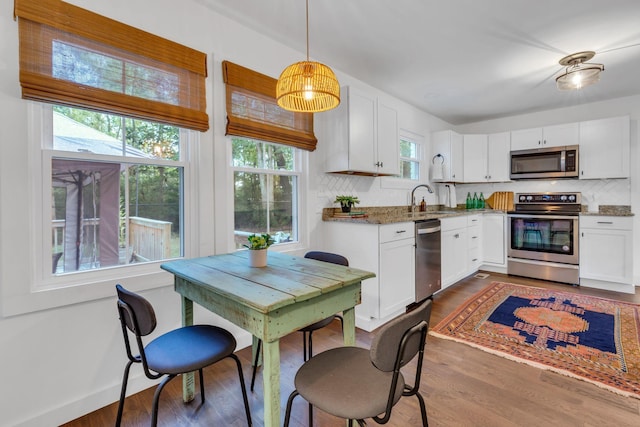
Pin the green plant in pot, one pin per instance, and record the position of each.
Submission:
(258, 245)
(347, 202)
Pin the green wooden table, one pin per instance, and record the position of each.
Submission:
(270, 302)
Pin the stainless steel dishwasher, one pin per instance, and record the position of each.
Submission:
(428, 274)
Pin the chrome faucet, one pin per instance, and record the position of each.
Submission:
(413, 200)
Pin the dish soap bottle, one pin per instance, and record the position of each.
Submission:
(423, 205)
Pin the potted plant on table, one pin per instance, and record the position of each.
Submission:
(258, 245)
(347, 202)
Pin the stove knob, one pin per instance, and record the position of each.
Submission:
(529, 198)
(522, 198)
(572, 198)
(563, 198)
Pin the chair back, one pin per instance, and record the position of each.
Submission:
(399, 340)
(327, 257)
(135, 312)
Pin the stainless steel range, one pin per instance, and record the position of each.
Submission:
(543, 236)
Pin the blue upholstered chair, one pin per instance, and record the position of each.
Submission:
(186, 349)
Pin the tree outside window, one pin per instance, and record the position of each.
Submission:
(116, 186)
(409, 159)
(265, 190)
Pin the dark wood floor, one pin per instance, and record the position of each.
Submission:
(462, 386)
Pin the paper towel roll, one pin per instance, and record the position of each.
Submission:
(453, 200)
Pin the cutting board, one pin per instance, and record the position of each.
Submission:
(501, 200)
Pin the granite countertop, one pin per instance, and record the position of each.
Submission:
(608, 210)
(393, 214)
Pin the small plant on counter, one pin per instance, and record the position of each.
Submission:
(259, 241)
(346, 202)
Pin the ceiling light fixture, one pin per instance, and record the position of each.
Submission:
(578, 73)
(308, 86)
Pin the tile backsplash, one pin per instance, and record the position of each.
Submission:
(372, 193)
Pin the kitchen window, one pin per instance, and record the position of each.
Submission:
(409, 158)
(266, 190)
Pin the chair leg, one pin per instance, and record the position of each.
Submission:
(244, 389)
(287, 413)
(255, 364)
(423, 410)
(123, 393)
(201, 385)
(304, 346)
(156, 399)
(305, 359)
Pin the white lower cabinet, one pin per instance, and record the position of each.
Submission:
(494, 242)
(606, 253)
(461, 247)
(388, 250)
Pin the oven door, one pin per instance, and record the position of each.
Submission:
(552, 238)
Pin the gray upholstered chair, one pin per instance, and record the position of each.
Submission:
(355, 383)
(186, 349)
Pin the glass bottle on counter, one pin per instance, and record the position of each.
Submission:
(469, 202)
(476, 202)
(481, 201)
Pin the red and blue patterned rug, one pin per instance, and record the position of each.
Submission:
(590, 338)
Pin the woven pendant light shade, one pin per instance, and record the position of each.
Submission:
(308, 87)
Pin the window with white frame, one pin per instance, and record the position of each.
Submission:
(410, 157)
(266, 190)
(115, 187)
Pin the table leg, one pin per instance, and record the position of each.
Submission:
(271, 381)
(349, 326)
(188, 381)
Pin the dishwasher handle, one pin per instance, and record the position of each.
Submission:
(429, 230)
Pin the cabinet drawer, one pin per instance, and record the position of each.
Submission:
(397, 231)
(473, 220)
(453, 223)
(607, 222)
(474, 259)
(473, 237)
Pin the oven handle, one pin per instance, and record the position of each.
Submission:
(534, 216)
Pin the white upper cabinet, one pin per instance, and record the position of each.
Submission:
(361, 135)
(549, 136)
(498, 159)
(475, 154)
(604, 148)
(449, 145)
(486, 157)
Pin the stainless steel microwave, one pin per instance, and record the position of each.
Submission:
(549, 163)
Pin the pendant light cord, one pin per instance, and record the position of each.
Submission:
(307, 30)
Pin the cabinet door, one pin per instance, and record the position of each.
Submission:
(498, 159)
(454, 256)
(388, 147)
(558, 135)
(525, 139)
(606, 255)
(457, 159)
(397, 276)
(475, 158)
(362, 131)
(604, 148)
(493, 239)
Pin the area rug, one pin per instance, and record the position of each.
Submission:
(590, 338)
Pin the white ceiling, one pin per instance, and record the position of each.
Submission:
(460, 60)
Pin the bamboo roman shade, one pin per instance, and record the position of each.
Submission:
(74, 57)
(252, 110)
